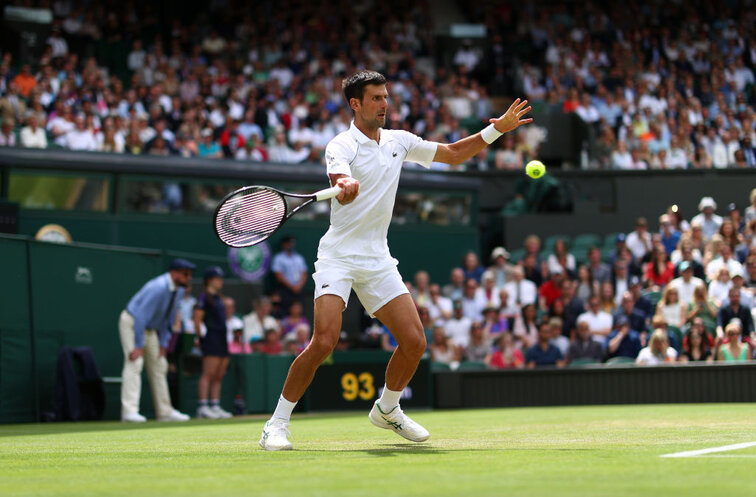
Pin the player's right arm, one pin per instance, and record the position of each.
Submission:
(337, 158)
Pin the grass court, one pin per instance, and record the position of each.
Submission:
(571, 451)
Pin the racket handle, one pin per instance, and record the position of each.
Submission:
(328, 193)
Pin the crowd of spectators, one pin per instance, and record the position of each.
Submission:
(682, 291)
(662, 85)
(258, 83)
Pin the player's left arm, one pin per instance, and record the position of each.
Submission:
(461, 150)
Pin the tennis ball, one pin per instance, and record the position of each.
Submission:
(535, 169)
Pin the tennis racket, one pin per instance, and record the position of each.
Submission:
(252, 214)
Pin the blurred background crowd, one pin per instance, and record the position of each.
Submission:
(660, 84)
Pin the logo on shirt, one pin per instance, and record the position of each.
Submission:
(393, 155)
(325, 285)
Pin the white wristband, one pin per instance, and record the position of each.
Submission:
(490, 134)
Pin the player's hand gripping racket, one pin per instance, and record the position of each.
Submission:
(251, 214)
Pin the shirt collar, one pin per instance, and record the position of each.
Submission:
(171, 284)
(357, 134)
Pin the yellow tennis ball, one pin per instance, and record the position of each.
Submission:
(535, 169)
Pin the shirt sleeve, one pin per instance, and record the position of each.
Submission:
(337, 157)
(418, 150)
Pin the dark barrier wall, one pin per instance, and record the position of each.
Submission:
(54, 295)
(597, 385)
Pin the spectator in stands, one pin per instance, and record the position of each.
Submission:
(607, 300)
(388, 342)
(696, 345)
(733, 348)
(735, 310)
(525, 327)
(501, 268)
(639, 321)
(660, 270)
(520, 290)
(746, 296)
(439, 307)
(599, 322)
(7, 136)
(750, 211)
(686, 283)
(573, 306)
(456, 286)
(561, 258)
(639, 240)
(421, 291)
(720, 287)
(507, 157)
(725, 260)
(623, 341)
(532, 270)
(471, 267)
(557, 338)
(670, 237)
(458, 327)
(543, 353)
(271, 343)
(293, 318)
(237, 345)
(505, 355)
(552, 289)
(586, 286)
(473, 301)
(583, 347)
(479, 347)
(488, 292)
(259, 320)
(441, 349)
(600, 271)
(233, 322)
(32, 135)
(81, 137)
(708, 221)
(671, 308)
(657, 352)
(532, 245)
(12, 105)
(208, 147)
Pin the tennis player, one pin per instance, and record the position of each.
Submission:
(365, 161)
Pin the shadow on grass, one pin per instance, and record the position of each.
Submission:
(396, 449)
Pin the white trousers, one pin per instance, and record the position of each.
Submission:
(131, 377)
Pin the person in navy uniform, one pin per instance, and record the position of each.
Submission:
(211, 312)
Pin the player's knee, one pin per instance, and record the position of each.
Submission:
(322, 347)
(414, 345)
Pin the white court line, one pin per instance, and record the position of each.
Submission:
(700, 452)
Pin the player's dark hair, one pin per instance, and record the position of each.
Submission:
(354, 85)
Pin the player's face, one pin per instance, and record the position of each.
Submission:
(372, 109)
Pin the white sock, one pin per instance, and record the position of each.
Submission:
(389, 399)
(283, 409)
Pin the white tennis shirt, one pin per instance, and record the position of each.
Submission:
(361, 227)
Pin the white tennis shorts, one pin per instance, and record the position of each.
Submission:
(375, 281)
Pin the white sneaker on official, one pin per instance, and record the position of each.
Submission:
(133, 417)
(220, 412)
(275, 435)
(399, 422)
(206, 412)
(174, 416)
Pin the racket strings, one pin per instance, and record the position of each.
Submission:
(250, 217)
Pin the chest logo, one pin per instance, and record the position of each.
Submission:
(393, 155)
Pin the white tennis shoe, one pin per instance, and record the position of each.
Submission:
(207, 412)
(399, 422)
(174, 417)
(275, 435)
(221, 413)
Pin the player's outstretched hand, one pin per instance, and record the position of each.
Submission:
(512, 118)
(350, 188)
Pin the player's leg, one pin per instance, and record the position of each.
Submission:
(209, 363)
(401, 318)
(325, 335)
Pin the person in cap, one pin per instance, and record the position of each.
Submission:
(211, 311)
(501, 268)
(686, 283)
(709, 221)
(738, 281)
(145, 330)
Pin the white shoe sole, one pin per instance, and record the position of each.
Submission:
(267, 447)
(400, 433)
